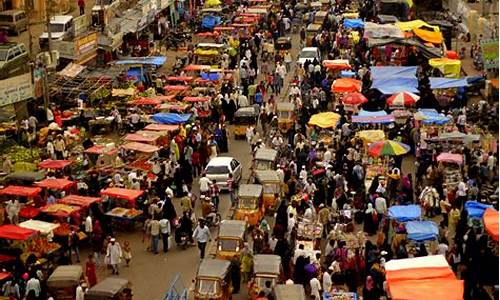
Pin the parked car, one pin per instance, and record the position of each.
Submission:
(14, 59)
(219, 168)
(61, 27)
(308, 54)
(14, 20)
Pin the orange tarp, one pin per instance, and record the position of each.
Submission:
(494, 83)
(346, 85)
(429, 36)
(490, 219)
(435, 289)
(56, 184)
(419, 274)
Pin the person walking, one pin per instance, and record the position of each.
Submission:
(202, 235)
(90, 271)
(154, 229)
(114, 254)
(165, 233)
(81, 5)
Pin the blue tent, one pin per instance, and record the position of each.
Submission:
(393, 85)
(171, 118)
(353, 23)
(431, 116)
(421, 231)
(405, 213)
(367, 113)
(209, 22)
(349, 74)
(393, 72)
(149, 60)
(475, 210)
(446, 83)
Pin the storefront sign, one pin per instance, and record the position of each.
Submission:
(86, 44)
(490, 53)
(16, 89)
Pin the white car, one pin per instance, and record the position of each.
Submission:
(60, 28)
(219, 168)
(308, 53)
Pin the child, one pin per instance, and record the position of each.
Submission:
(127, 253)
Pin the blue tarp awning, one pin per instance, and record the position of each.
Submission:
(475, 209)
(349, 74)
(431, 116)
(373, 119)
(209, 22)
(149, 60)
(171, 118)
(367, 113)
(353, 23)
(393, 72)
(390, 86)
(447, 83)
(421, 231)
(405, 213)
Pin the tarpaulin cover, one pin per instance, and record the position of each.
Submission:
(419, 273)
(367, 113)
(14, 232)
(140, 147)
(161, 127)
(191, 68)
(171, 88)
(55, 183)
(435, 289)
(25, 191)
(209, 22)
(171, 118)
(475, 209)
(371, 135)
(405, 213)
(98, 149)
(393, 72)
(429, 36)
(346, 85)
(389, 86)
(490, 220)
(54, 164)
(77, 200)
(431, 261)
(325, 119)
(196, 99)
(410, 25)
(29, 212)
(41, 226)
(421, 231)
(353, 23)
(134, 137)
(449, 67)
(127, 194)
(373, 119)
(450, 158)
(210, 76)
(374, 30)
(431, 116)
(144, 101)
(447, 83)
(349, 74)
(149, 60)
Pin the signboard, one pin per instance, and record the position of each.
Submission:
(86, 44)
(66, 49)
(490, 54)
(80, 24)
(78, 47)
(16, 89)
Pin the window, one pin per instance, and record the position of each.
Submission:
(217, 170)
(247, 203)
(20, 17)
(207, 287)
(234, 164)
(12, 54)
(228, 245)
(3, 55)
(6, 18)
(56, 27)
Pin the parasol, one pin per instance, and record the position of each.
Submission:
(403, 99)
(346, 85)
(387, 147)
(354, 99)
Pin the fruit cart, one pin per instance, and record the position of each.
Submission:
(309, 232)
(124, 217)
(119, 197)
(57, 185)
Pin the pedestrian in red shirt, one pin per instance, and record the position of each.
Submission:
(214, 193)
(81, 5)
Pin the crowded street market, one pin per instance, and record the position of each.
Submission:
(263, 150)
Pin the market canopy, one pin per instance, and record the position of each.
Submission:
(325, 119)
(171, 118)
(434, 37)
(374, 113)
(449, 67)
(437, 289)
(140, 147)
(24, 191)
(415, 24)
(14, 232)
(490, 220)
(390, 86)
(431, 116)
(373, 119)
(353, 23)
(346, 85)
(54, 164)
(450, 158)
(77, 200)
(161, 127)
(403, 99)
(421, 231)
(127, 194)
(374, 30)
(44, 228)
(405, 213)
(447, 83)
(195, 99)
(354, 98)
(393, 72)
(336, 64)
(387, 148)
(372, 135)
(144, 101)
(418, 268)
(475, 210)
(142, 138)
(55, 183)
(149, 60)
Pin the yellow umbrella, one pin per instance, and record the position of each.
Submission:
(212, 3)
(325, 119)
(371, 136)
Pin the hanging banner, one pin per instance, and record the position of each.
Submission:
(490, 54)
(16, 89)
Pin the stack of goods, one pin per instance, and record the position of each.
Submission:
(40, 246)
(24, 159)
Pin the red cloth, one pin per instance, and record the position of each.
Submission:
(91, 273)
(29, 212)
(14, 232)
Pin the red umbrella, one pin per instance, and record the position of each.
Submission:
(354, 99)
(403, 99)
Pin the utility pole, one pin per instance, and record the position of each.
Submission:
(48, 11)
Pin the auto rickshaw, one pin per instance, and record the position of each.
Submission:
(286, 116)
(320, 17)
(289, 291)
(208, 53)
(311, 31)
(271, 187)
(265, 159)
(283, 45)
(110, 289)
(63, 281)
(230, 240)
(249, 206)
(244, 117)
(266, 267)
(213, 280)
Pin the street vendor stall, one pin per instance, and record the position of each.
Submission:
(490, 220)
(171, 118)
(58, 184)
(128, 196)
(28, 195)
(54, 164)
(140, 147)
(142, 138)
(102, 156)
(76, 200)
(405, 213)
(452, 173)
(45, 228)
(309, 232)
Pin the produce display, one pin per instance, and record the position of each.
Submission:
(40, 246)
(22, 154)
(309, 230)
(353, 241)
(63, 230)
(124, 212)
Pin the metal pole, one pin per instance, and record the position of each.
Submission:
(48, 9)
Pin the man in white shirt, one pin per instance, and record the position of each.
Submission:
(204, 183)
(381, 205)
(33, 285)
(165, 233)
(299, 252)
(202, 235)
(88, 225)
(315, 287)
(327, 280)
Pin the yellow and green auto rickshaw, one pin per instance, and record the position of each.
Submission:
(265, 159)
(244, 117)
(289, 291)
(286, 116)
(213, 280)
(271, 187)
(249, 207)
(231, 238)
(266, 267)
(312, 30)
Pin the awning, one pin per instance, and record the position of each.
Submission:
(13, 232)
(405, 213)
(450, 158)
(24, 191)
(77, 200)
(325, 119)
(56, 184)
(490, 220)
(54, 164)
(148, 60)
(127, 194)
(447, 83)
(140, 147)
(171, 118)
(475, 210)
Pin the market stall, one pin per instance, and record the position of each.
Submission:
(122, 197)
(54, 164)
(405, 213)
(452, 173)
(57, 184)
(490, 221)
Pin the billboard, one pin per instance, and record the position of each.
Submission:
(16, 89)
